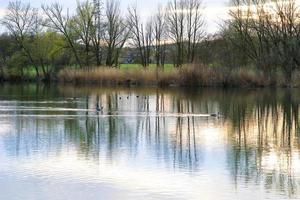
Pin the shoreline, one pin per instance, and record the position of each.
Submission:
(141, 85)
(191, 76)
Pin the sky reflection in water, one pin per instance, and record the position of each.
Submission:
(153, 142)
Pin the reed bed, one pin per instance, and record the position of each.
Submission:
(114, 76)
(189, 75)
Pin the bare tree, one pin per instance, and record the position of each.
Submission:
(98, 30)
(159, 24)
(82, 24)
(116, 32)
(195, 27)
(19, 20)
(269, 36)
(241, 23)
(176, 23)
(286, 30)
(142, 36)
(186, 28)
(148, 40)
(57, 21)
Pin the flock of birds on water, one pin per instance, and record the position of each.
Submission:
(100, 108)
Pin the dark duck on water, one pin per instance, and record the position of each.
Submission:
(99, 108)
(215, 115)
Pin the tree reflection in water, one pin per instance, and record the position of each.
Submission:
(260, 128)
(265, 138)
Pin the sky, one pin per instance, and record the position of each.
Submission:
(215, 10)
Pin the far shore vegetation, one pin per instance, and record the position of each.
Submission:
(98, 43)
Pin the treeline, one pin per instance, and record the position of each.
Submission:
(50, 37)
(261, 36)
(267, 34)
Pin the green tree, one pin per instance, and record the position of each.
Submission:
(19, 21)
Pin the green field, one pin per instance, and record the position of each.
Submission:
(29, 72)
(167, 67)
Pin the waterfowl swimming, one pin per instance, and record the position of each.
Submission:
(98, 108)
(215, 115)
(72, 99)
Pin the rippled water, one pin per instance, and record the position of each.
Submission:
(148, 143)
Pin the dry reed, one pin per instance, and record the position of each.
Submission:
(189, 75)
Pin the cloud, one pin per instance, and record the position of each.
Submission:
(2, 12)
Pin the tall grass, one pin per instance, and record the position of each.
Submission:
(189, 75)
(114, 76)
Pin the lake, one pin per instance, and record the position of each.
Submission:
(148, 143)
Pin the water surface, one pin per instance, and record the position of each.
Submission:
(148, 143)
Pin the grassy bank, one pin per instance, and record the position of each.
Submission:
(191, 75)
